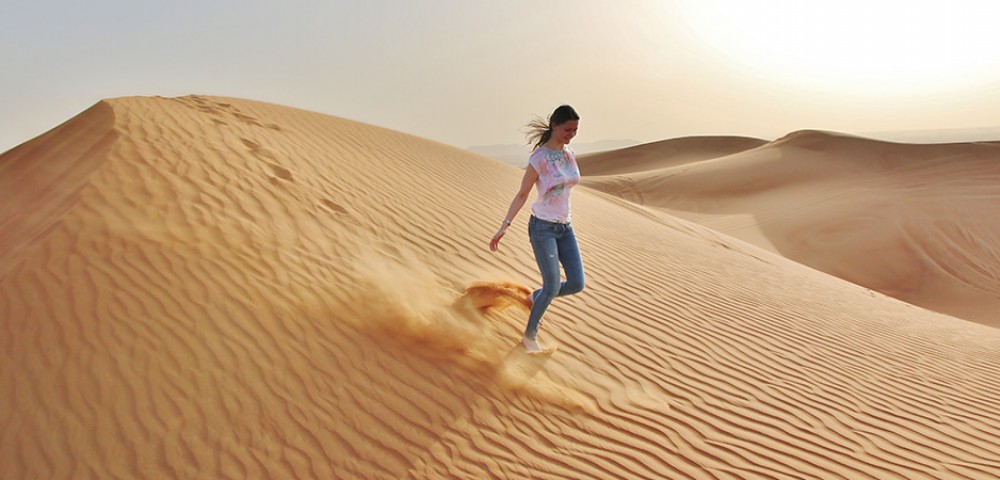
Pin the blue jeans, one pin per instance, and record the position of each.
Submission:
(553, 243)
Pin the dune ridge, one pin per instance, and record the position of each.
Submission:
(911, 221)
(49, 189)
(244, 290)
(657, 155)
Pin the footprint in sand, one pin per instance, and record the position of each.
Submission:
(281, 172)
(199, 104)
(252, 145)
(261, 152)
(333, 206)
(247, 119)
(524, 372)
(257, 150)
(219, 108)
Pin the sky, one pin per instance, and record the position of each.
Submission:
(471, 73)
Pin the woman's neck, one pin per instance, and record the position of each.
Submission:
(554, 145)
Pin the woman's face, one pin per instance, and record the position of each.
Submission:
(564, 132)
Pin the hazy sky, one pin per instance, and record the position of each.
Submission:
(468, 72)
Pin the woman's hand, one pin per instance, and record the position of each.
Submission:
(495, 243)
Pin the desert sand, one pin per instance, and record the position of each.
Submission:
(207, 287)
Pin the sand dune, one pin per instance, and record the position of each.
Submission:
(658, 155)
(915, 222)
(207, 287)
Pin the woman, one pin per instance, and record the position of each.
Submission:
(552, 169)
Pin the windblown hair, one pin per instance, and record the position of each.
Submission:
(540, 131)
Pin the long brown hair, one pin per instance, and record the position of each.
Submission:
(540, 131)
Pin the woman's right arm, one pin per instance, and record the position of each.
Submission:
(530, 175)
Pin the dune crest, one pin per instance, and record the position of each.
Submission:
(37, 193)
(658, 155)
(224, 288)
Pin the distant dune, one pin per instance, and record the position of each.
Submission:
(517, 155)
(658, 155)
(941, 135)
(208, 287)
(916, 222)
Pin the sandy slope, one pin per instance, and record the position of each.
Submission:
(220, 288)
(916, 222)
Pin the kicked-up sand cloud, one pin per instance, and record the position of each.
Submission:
(207, 287)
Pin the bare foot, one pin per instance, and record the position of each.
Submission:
(531, 345)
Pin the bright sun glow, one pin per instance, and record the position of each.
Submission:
(874, 47)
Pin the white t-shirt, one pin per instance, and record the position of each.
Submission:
(557, 174)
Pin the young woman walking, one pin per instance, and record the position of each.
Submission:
(552, 169)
